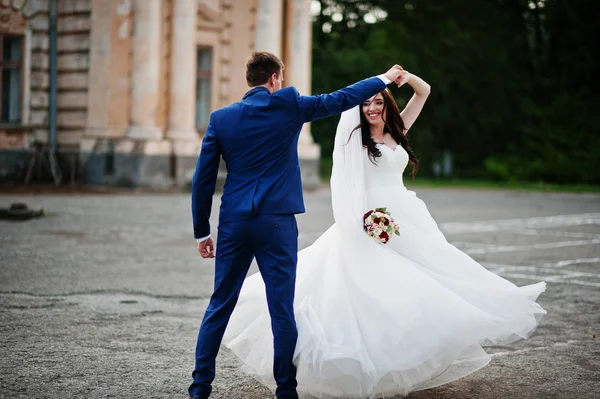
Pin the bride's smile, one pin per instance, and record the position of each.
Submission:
(374, 109)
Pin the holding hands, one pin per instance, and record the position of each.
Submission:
(398, 75)
(404, 78)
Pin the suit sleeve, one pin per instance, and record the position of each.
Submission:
(324, 105)
(204, 181)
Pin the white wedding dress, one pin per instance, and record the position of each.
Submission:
(378, 320)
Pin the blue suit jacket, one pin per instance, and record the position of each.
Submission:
(258, 140)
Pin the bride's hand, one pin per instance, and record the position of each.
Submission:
(394, 73)
(404, 78)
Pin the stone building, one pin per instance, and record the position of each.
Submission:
(136, 80)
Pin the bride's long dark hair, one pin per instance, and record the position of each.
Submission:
(394, 125)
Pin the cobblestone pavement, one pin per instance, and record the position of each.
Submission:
(102, 298)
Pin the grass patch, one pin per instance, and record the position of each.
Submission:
(429, 182)
(490, 185)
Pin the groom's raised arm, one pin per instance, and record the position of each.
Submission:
(324, 105)
(204, 181)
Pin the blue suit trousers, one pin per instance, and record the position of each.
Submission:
(273, 241)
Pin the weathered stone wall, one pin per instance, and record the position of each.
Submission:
(237, 42)
(127, 82)
(73, 26)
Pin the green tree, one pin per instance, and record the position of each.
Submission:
(512, 82)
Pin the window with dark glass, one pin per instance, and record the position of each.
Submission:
(203, 84)
(11, 63)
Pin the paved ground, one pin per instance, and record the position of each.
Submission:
(102, 298)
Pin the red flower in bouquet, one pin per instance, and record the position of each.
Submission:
(384, 237)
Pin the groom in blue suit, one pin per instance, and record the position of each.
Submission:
(257, 138)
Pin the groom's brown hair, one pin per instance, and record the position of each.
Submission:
(261, 66)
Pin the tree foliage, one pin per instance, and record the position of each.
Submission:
(515, 90)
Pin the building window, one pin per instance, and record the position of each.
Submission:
(11, 64)
(203, 83)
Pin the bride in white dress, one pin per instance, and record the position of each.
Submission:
(379, 320)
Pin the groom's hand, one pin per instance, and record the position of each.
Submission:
(207, 248)
(394, 73)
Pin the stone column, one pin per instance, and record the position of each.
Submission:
(298, 55)
(108, 85)
(143, 157)
(269, 24)
(182, 90)
(109, 72)
(145, 75)
(182, 83)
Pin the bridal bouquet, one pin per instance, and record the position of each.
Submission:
(380, 225)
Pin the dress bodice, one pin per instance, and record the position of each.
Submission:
(387, 169)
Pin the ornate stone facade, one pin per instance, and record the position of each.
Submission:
(137, 78)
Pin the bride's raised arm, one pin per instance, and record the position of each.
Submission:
(415, 105)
